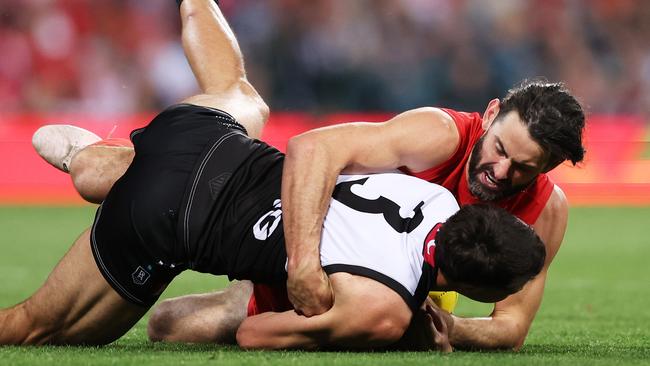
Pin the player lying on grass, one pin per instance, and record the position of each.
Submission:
(202, 195)
(494, 159)
(499, 158)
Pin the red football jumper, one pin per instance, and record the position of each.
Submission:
(527, 204)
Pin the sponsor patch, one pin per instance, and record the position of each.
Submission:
(140, 276)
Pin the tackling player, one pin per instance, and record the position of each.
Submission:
(500, 157)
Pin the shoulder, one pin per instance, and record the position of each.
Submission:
(428, 136)
(426, 117)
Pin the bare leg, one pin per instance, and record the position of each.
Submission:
(218, 65)
(203, 318)
(95, 169)
(217, 62)
(74, 306)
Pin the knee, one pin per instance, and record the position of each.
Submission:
(20, 326)
(247, 337)
(169, 324)
(88, 188)
(86, 178)
(161, 321)
(256, 110)
(95, 169)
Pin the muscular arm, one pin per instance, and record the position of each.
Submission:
(510, 321)
(312, 164)
(366, 314)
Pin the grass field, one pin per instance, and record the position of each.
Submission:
(596, 310)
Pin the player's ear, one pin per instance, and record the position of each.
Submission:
(491, 112)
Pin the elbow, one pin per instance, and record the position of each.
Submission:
(382, 332)
(388, 331)
(303, 145)
(514, 343)
(302, 151)
(515, 336)
(321, 150)
(519, 330)
(386, 324)
(518, 341)
(511, 342)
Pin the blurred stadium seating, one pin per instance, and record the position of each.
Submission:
(106, 63)
(124, 56)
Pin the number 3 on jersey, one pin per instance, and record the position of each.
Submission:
(382, 205)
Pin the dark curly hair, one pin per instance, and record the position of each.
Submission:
(554, 118)
(485, 246)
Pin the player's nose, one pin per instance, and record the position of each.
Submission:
(502, 169)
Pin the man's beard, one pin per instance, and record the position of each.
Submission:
(478, 189)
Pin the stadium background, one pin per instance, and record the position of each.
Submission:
(110, 66)
(114, 63)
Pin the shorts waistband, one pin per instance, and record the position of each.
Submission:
(222, 116)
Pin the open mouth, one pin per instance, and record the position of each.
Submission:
(489, 181)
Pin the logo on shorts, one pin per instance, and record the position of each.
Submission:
(140, 276)
(216, 184)
(266, 225)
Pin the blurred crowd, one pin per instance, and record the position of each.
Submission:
(124, 56)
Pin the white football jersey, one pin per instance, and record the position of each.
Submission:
(383, 226)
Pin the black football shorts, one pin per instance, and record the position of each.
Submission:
(134, 237)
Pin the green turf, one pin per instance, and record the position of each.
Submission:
(596, 310)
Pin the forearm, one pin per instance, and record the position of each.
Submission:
(384, 319)
(308, 180)
(289, 330)
(280, 331)
(210, 46)
(487, 333)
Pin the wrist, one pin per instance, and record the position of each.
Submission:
(303, 264)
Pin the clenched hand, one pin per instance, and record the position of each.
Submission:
(310, 290)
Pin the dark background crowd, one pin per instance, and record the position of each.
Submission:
(124, 56)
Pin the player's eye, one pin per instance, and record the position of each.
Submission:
(500, 150)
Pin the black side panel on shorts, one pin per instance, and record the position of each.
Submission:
(235, 186)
